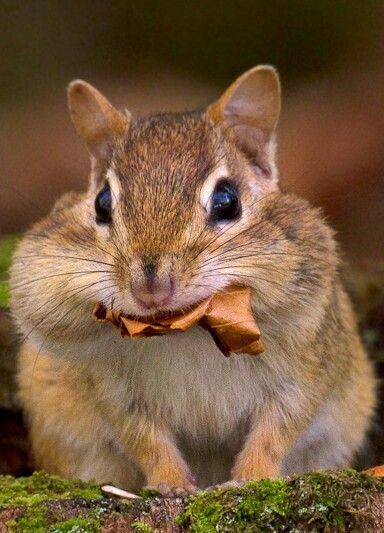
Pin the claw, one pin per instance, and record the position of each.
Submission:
(171, 492)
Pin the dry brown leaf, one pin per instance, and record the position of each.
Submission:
(226, 315)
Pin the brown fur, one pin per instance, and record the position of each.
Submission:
(173, 412)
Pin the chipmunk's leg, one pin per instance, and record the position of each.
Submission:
(76, 434)
(157, 455)
(69, 434)
(271, 436)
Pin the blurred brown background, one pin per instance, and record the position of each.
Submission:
(168, 55)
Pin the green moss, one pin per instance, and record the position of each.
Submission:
(148, 493)
(77, 525)
(4, 294)
(35, 491)
(41, 487)
(318, 500)
(33, 521)
(7, 246)
(142, 527)
(314, 501)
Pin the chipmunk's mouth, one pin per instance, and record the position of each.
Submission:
(101, 311)
(166, 311)
(150, 309)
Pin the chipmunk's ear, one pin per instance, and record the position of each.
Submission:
(250, 107)
(96, 121)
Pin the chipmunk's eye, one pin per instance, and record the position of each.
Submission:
(225, 202)
(103, 205)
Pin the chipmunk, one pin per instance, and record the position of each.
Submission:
(179, 207)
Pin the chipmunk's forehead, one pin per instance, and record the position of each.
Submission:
(167, 148)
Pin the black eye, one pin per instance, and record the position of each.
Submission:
(103, 205)
(225, 202)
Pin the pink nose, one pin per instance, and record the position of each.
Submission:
(156, 293)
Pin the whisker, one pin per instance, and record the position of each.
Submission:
(237, 235)
(228, 258)
(202, 285)
(65, 257)
(216, 236)
(229, 226)
(228, 255)
(223, 230)
(74, 292)
(78, 273)
(62, 284)
(238, 276)
(95, 244)
(222, 267)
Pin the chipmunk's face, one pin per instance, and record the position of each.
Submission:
(172, 205)
(172, 196)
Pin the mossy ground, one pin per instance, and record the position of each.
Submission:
(35, 495)
(7, 246)
(40, 487)
(318, 501)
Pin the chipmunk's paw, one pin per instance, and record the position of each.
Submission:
(170, 478)
(169, 491)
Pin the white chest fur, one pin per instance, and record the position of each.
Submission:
(183, 378)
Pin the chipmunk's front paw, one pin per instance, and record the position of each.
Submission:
(172, 482)
(169, 491)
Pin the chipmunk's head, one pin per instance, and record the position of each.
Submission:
(171, 195)
(179, 207)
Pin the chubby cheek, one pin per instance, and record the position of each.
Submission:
(202, 288)
(200, 280)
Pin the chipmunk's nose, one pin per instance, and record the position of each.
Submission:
(154, 288)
